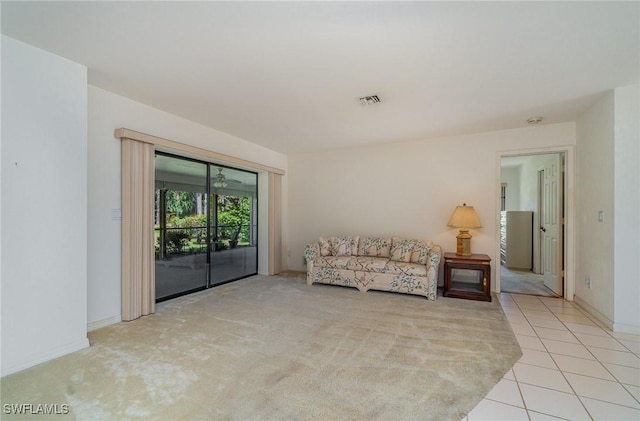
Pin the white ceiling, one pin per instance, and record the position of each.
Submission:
(288, 75)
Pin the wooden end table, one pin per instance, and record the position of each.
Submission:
(467, 276)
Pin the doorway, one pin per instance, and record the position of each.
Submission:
(205, 225)
(532, 224)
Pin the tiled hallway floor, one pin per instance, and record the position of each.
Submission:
(571, 368)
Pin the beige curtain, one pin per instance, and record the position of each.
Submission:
(275, 224)
(138, 260)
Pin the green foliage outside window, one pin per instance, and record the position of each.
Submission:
(187, 221)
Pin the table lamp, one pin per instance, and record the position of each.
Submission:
(464, 217)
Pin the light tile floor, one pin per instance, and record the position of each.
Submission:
(572, 367)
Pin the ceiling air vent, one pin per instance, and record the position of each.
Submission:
(534, 120)
(370, 100)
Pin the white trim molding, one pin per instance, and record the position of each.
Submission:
(99, 324)
(48, 356)
(171, 145)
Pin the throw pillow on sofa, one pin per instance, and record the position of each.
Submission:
(374, 247)
(341, 246)
(420, 252)
(401, 249)
(325, 246)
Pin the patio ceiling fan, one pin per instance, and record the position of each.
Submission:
(220, 180)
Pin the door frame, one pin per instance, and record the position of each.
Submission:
(569, 212)
(208, 193)
(539, 265)
(559, 208)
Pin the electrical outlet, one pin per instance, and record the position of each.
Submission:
(587, 280)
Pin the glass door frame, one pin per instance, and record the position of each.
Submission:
(253, 223)
(253, 231)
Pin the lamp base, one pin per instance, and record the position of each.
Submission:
(464, 243)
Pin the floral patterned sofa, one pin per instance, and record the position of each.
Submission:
(386, 264)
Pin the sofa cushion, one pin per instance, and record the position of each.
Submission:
(325, 246)
(374, 246)
(401, 249)
(341, 246)
(368, 264)
(420, 252)
(402, 268)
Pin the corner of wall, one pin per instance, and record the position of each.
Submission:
(44, 131)
(626, 204)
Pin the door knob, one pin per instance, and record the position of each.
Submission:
(543, 229)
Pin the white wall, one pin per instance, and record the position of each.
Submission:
(406, 189)
(107, 112)
(627, 209)
(1, 194)
(608, 147)
(44, 206)
(529, 181)
(511, 176)
(594, 193)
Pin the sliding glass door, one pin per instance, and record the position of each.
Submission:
(233, 224)
(205, 225)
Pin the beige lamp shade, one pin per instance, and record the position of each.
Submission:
(464, 217)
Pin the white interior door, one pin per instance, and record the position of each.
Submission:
(551, 225)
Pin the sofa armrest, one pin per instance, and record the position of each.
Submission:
(433, 257)
(311, 251)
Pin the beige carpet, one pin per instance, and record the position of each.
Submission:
(275, 348)
(523, 282)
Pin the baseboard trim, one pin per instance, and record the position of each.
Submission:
(48, 356)
(610, 324)
(626, 328)
(99, 324)
(593, 312)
